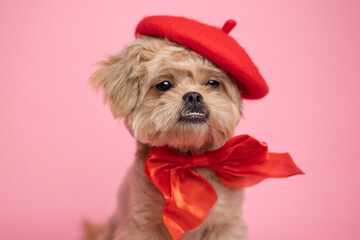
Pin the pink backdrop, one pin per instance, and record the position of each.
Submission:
(62, 156)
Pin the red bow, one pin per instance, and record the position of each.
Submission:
(242, 162)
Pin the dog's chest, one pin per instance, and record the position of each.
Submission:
(229, 200)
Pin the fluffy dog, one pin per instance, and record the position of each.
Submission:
(170, 95)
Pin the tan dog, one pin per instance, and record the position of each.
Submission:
(170, 95)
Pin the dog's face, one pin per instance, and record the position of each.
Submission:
(170, 95)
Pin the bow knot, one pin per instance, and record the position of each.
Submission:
(199, 161)
(242, 162)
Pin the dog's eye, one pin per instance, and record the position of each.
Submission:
(164, 86)
(213, 83)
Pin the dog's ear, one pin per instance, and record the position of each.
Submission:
(120, 76)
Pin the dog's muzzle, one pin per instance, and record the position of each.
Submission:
(195, 110)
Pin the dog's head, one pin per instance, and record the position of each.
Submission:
(170, 95)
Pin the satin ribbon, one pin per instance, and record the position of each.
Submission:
(242, 162)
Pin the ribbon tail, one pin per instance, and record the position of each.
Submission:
(285, 166)
(189, 203)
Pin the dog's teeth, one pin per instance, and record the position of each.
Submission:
(194, 113)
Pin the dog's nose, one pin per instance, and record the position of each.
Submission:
(193, 98)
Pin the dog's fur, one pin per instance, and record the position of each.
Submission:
(129, 81)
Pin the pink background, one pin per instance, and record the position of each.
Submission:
(62, 155)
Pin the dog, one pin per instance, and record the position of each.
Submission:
(182, 108)
(170, 95)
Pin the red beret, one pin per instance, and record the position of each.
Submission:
(212, 43)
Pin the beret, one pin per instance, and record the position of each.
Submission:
(213, 43)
